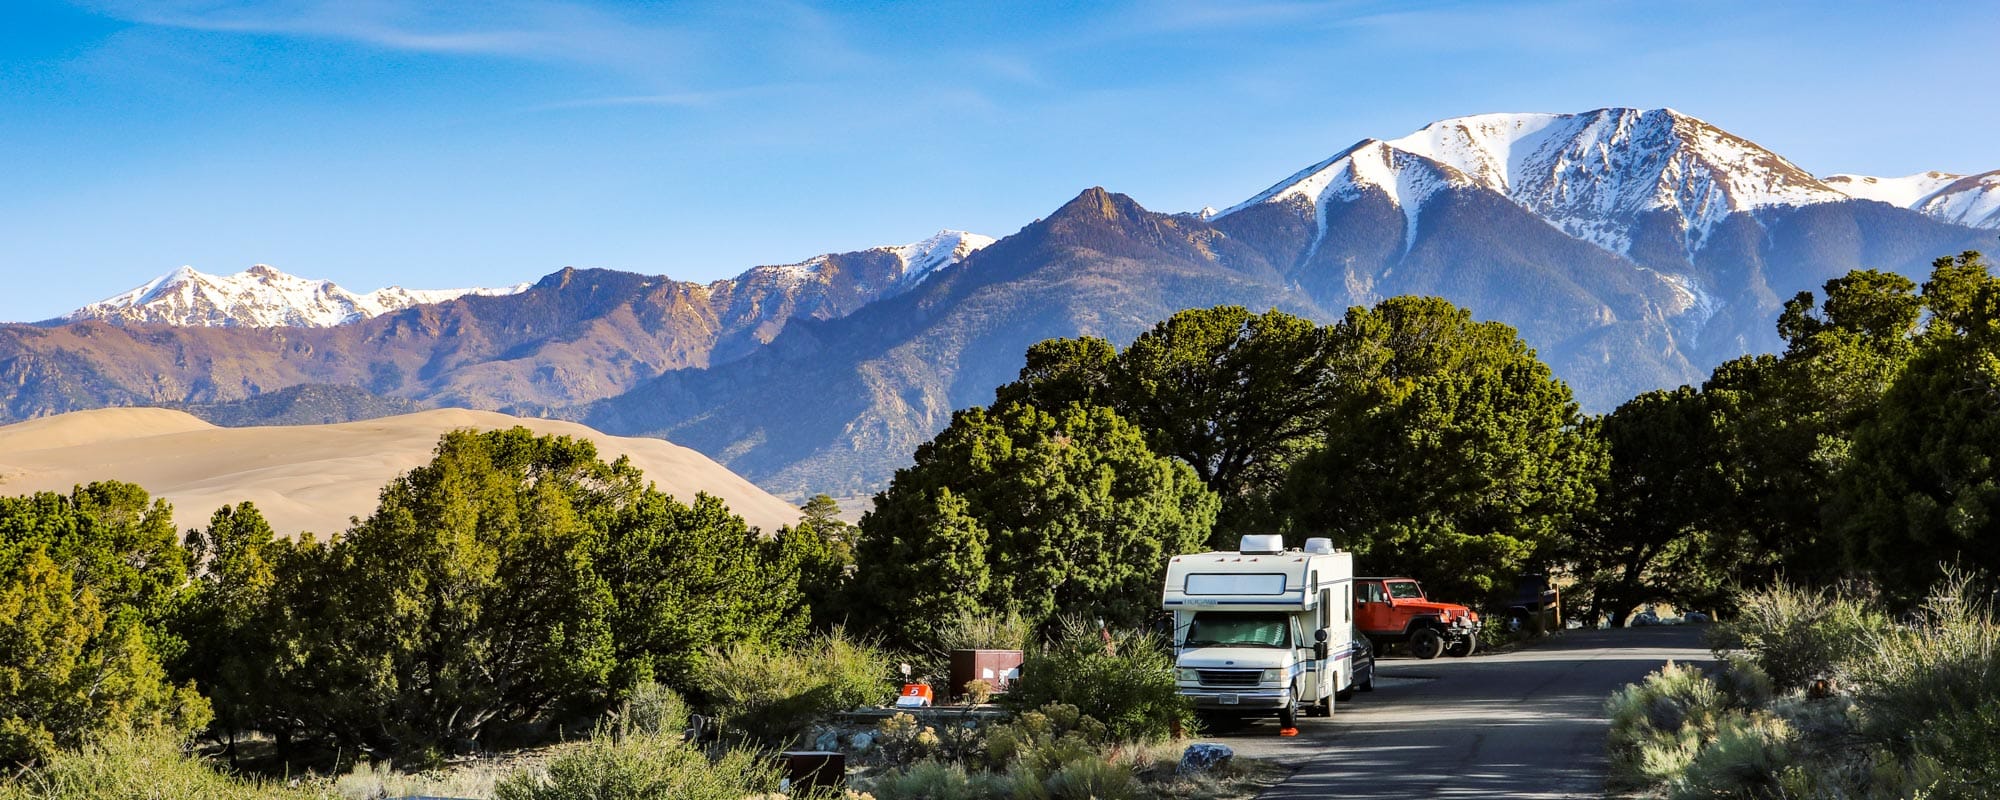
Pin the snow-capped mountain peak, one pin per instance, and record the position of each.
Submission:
(259, 297)
(1970, 200)
(1590, 174)
(940, 251)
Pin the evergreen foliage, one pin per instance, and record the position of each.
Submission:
(1653, 535)
(1922, 488)
(227, 621)
(820, 550)
(1029, 511)
(88, 582)
(1454, 455)
(1237, 396)
(1122, 678)
(512, 579)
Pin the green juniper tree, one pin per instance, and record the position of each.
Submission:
(1453, 456)
(1027, 511)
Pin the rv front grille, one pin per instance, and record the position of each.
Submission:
(1228, 677)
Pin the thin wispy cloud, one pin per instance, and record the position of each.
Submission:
(701, 99)
(542, 31)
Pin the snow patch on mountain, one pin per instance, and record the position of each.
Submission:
(1589, 174)
(918, 260)
(787, 276)
(939, 252)
(260, 297)
(1903, 192)
(1970, 200)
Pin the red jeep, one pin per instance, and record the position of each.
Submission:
(1394, 610)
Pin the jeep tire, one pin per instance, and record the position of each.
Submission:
(1426, 643)
(1465, 646)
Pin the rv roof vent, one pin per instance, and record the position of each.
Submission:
(1262, 544)
(1319, 545)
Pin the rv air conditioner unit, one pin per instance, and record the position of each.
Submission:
(1266, 544)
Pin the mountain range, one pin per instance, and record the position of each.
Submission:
(1634, 249)
(259, 297)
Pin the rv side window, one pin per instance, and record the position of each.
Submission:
(1347, 608)
(1256, 584)
(1326, 608)
(1239, 629)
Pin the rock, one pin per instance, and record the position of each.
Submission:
(860, 742)
(1203, 758)
(827, 742)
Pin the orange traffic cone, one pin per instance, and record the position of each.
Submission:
(1288, 731)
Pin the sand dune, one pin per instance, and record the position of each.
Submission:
(309, 477)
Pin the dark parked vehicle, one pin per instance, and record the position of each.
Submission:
(1364, 667)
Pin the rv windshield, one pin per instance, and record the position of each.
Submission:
(1239, 629)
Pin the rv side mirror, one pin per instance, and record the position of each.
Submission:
(1319, 651)
(1320, 636)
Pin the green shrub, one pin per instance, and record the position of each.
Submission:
(375, 780)
(642, 767)
(772, 695)
(1658, 726)
(1945, 664)
(1093, 778)
(977, 631)
(936, 780)
(1958, 755)
(901, 739)
(141, 768)
(1800, 635)
(652, 708)
(1746, 757)
(1053, 753)
(1127, 682)
(1045, 739)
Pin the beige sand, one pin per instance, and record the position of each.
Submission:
(310, 477)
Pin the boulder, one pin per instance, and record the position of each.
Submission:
(1204, 757)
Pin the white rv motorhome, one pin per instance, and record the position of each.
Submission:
(1263, 630)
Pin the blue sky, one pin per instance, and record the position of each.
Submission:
(377, 142)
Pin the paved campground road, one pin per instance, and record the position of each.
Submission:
(1524, 724)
